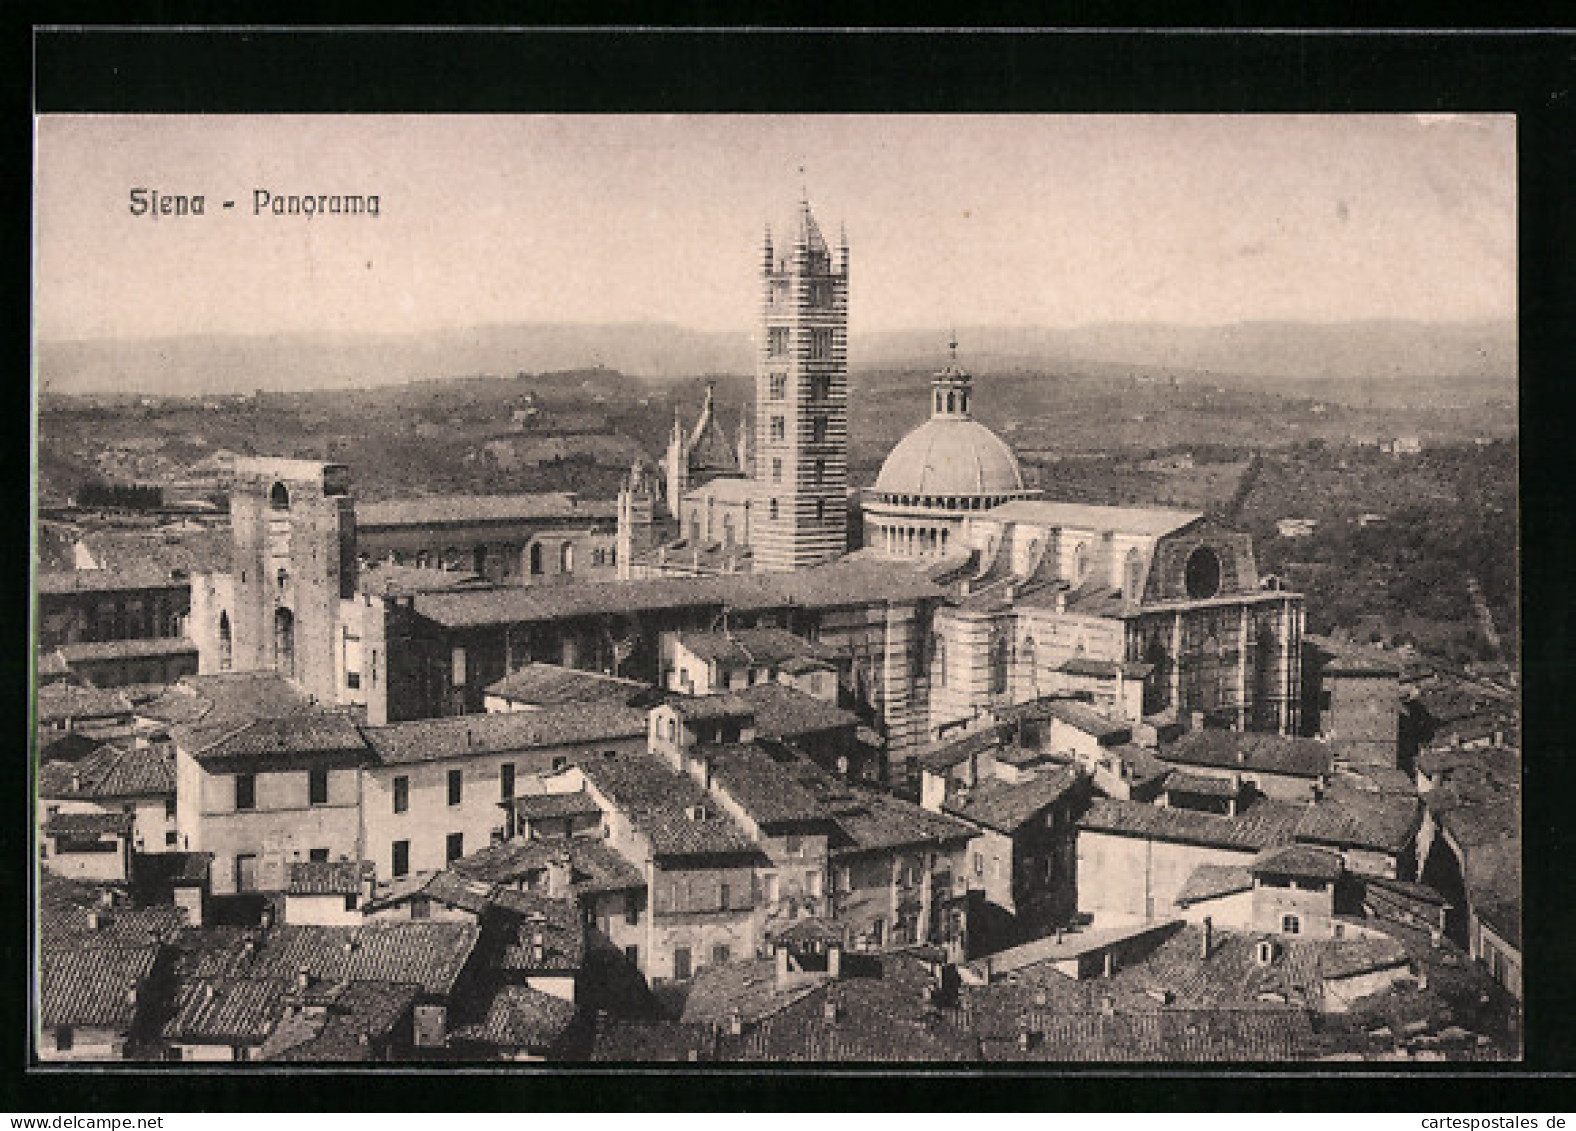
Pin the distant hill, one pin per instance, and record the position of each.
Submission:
(222, 364)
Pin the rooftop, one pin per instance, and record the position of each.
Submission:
(834, 585)
(359, 1014)
(1075, 714)
(1299, 860)
(324, 877)
(764, 646)
(1211, 881)
(564, 724)
(1251, 751)
(392, 579)
(63, 702)
(89, 824)
(112, 771)
(1387, 822)
(153, 647)
(308, 733)
(92, 987)
(940, 757)
(551, 806)
(668, 808)
(721, 705)
(1200, 785)
(457, 510)
(1260, 825)
(594, 867)
(519, 1017)
(549, 685)
(115, 579)
(785, 713)
(767, 790)
(1007, 807)
(1151, 521)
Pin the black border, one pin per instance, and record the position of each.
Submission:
(779, 70)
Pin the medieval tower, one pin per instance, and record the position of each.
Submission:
(801, 402)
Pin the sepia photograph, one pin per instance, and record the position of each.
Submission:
(776, 589)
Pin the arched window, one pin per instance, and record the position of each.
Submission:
(279, 497)
(1133, 576)
(536, 557)
(1202, 573)
(284, 642)
(1000, 657)
(566, 558)
(938, 660)
(226, 648)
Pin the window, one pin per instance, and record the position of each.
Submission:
(777, 341)
(169, 808)
(777, 471)
(279, 497)
(226, 649)
(64, 1039)
(421, 908)
(632, 952)
(779, 429)
(282, 577)
(938, 660)
(536, 557)
(843, 881)
(999, 657)
(456, 786)
(284, 642)
(979, 864)
(318, 855)
(1133, 576)
(779, 383)
(820, 472)
(723, 893)
(562, 763)
(506, 781)
(1080, 563)
(770, 888)
(401, 794)
(720, 954)
(794, 843)
(818, 430)
(681, 963)
(820, 342)
(246, 791)
(772, 510)
(317, 786)
(631, 908)
(1202, 573)
(170, 839)
(820, 510)
(453, 847)
(566, 558)
(350, 902)
(812, 884)
(1291, 925)
(820, 387)
(401, 862)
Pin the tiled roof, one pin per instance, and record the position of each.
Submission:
(798, 665)
(767, 790)
(1411, 890)
(1202, 785)
(785, 713)
(89, 824)
(391, 579)
(548, 806)
(1250, 750)
(453, 510)
(112, 771)
(547, 684)
(1074, 714)
(447, 887)
(1082, 516)
(225, 699)
(519, 1017)
(620, 1040)
(74, 914)
(1386, 823)
(557, 923)
(566, 724)
(763, 646)
(1104, 669)
(594, 867)
(940, 757)
(110, 580)
(722, 705)
(1260, 825)
(1493, 881)
(1211, 881)
(309, 733)
(1297, 860)
(156, 646)
(160, 552)
(230, 1011)
(58, 702)
(93, 986)
(428, 954)
(660, 803)
(1007, 807)
(834, 585)
(870, 821)
(325, 877)
(52, 663)
(1348, 958)
(370, 1010)
(1192, 1036)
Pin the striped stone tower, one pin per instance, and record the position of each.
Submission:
(801, 402)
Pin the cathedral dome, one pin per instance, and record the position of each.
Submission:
(950, 456)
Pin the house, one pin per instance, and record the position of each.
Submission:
(1284, 769)
(518, 1023)
(92, 711)
(812, 724)
(1352, 697)
(733, 659)
(94, 1002)
(93, 846)
(533, 686)
(1294, 890)
(116, 663)
(132, 775)
(326, 893)
(345, 1022)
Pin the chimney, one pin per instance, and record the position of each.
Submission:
(303, 979)
(736, 1023)
(1208, 944)
(131, 996)
(267, 917)
(95, 921)
(1110, 963)
(1025, 1036)
(1196, 720)
(830, 1011)
(784, 971)
(538, 948)
(1108, 1006)
(76, 781)
(834, 961)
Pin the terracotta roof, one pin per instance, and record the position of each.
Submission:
(768, 791)
(549, 684)
(360, 1015)
(391, 579)
(1202, 785)
(939, 757)
(556, 923)
(112, 771)
(230, 1011)
(225, 699)
(720, 705)
(786, 713)
(662, 805)
(519, 1017)
(60, 702)
(1387, 823)
(110, 580)
(594, 867)
(319, 733)
(1493, 882)
(1260, 825)
(548, 806)
(623, 1040)
(761, 646)
(1189, 1036)
(1074, 714)
(837, 584)
(72, 913)
(457, 510)
(148, 647)
(1007, 807)
(1348, 958)
(1297, 860)
(566, 724)
(97, 987)
(447, 887)
(89, 824)
(325, 877)
(152, 553)
(1082, 516)
(1251, 751)
(429, 954)
(1211, 881)
(870, 821)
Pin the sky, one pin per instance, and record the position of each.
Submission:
(1014, 220)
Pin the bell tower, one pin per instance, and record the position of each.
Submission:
(801, 401)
